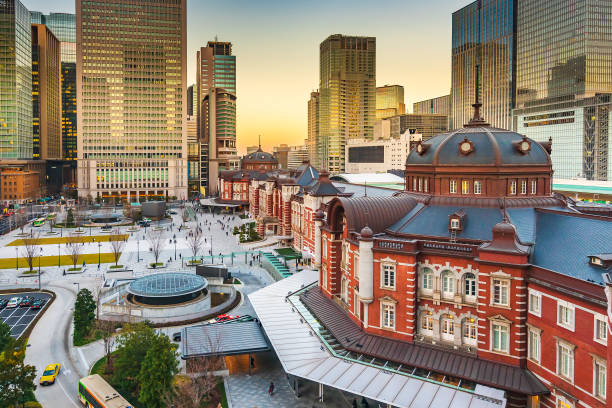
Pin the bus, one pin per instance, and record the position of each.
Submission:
(38, 222)
(51, 216)
(94, 392)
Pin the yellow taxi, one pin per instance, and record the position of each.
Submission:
(50, 374)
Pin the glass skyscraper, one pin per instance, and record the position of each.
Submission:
(389, 101)
(15, 81)
(347, 96)
(131, 99)
(216, 111)
(483, 35)
(564, 82)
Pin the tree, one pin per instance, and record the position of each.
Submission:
(16, 378)
(84, 313)
(117, 242)
(31, 249)
(158, 368)
(73, 248)
(132, 346)
(5, 335)
(70, 218)
(156, 243)
(107, 331)
(195, 241)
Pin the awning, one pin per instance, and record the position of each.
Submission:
(222, 339)
(294, 335)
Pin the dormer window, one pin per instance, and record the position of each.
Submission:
(456, 221)
(601, 260)
(455, 224)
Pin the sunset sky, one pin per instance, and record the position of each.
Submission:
(276, 44)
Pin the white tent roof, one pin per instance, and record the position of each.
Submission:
(292, 333)
(370, 178)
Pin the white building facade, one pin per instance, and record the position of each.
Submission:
(376, 156)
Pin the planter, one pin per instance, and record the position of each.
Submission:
(159, 265)
(115, 267)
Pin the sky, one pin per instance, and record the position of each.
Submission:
(276, 43)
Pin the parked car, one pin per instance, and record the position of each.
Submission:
(225, 317)
(50, 374)
(107, 228)
(3, 303)
(176, 337)
(13, 303)
(38, 304)
(25, 301)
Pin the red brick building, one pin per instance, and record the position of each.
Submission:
(475, 274)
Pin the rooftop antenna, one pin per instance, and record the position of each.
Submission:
(259, 136)
(477, 120)
(365, 188)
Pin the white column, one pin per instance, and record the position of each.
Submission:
(366, 271)
(317, 239)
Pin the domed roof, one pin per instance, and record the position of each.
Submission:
(484, 146)
(259, 157)
(167, 285)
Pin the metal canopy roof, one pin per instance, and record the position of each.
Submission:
(222, 339)
(167, 284)
(294, 334)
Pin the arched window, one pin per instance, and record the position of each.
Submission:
(426, 323)
(448, 284)
(447, 327)
(469, 286)
(427, 280)
(470, 331)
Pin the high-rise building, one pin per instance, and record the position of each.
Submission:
(347, 100)
(313, 128)
(564, 82)
(63, 26)
(389, 101)
(131, 99)
(46, 95)
(216, 112)
(281, 154)
(193, 157)
(190, 100)
(15, 81)
(440, 105)
(483, 36)
(297, 156)
(427, 125)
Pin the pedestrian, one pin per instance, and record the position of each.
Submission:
(271, 388)
(252, 362)
(364, 402)
(354, 402)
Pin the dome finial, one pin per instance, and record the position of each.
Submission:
(259, 150)
(477, 120)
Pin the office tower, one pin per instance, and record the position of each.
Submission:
(193, 157)
(251, 149)
(216, 111)
(389, 101)
(46, 95)
(564, 82)
(440, 105)
(297, 156)
(63, 26)
(131, 99)
(15, 81)
(483, 35)
(427, 125)
(347, 101)
(190, 100)
(313, 128)
(281, 154)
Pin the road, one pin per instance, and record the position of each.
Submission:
(48, 344)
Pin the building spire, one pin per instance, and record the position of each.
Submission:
(259, 150)
(477, 120)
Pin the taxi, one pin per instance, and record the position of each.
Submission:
(50, 374)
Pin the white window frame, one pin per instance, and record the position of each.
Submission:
(513, 187)
(387, 309)
(465, 186)
(390, 267)
(523, 187)
(563, 402)
(447, 327)
(447, 284)
(600, 325)
(504, 328)
(534, 344)
(565, 349)
(324, 273)
(357, 304)
(535, 303)
(502, 284)
(414, 184)
(356, 266)
(477, 187)
(534, 187)
(455, 224)
(470, 295)
(452, 187)
(420, 183)
(427, 276)
(571, 315)
(470, 331)
(426, 185)
(323, 248)
(427, 317)
(600, 377)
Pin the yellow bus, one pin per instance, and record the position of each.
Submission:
(94, 392)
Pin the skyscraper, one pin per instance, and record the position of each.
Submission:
(564, 82)
(15, 81)
(347, 102)
(190, 100)
(440, 105)
(46, 94)
(389, 101)
(131, 99)
(313, 128)
(216, 111)
(483, 35)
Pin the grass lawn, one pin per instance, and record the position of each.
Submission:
(9, 263)
(63, 240)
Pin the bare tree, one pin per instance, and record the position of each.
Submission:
(107, 331)
(31, 249)
(156, 243)
(117, 242)
(21, 220)
(195, 240)
(74, 248)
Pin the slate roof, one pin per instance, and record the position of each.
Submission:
(565, 240)
(461, 365)
(259, 157)
(433, 221)
(374, 212)
(491, 147)
(307, 175)
(361, 190)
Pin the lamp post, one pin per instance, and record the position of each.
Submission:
(212, 256)
(39, 255)
(138, 249)
(78, 286)
(17, 259)
(59, 255)
(175, 249)
(99, 246)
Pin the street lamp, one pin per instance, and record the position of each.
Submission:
(175, 249)
(78, 286)
(17, 259)
(39, 255)
(99, 246)
(59, 256)
(138, 253)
